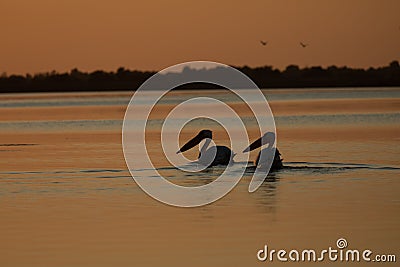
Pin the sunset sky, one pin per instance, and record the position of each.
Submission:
(44, 35)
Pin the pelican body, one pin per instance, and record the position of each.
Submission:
(264, 157)
(215, 155)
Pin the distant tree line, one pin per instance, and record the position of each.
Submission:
(264, 77)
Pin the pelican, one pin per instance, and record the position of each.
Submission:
(303, 45)
(215, 155)
(264, 43)
(264, 158)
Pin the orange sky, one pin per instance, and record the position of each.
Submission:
(45, 35)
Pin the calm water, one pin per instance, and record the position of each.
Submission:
(67, 198)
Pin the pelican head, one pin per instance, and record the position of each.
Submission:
(266, 159)
(215, 155)
(267, 138)
(203, 134)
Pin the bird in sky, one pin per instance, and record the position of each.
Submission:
(303, 45)
(264, 43)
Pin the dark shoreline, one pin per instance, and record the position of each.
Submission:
(265, 77)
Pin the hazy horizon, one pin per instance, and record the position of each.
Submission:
(178, 69)
(42, 36)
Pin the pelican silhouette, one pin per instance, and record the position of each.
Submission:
(264, 43)
(264, 158)
(303, 45)
(215, 155)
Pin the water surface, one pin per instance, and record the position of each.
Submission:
(67, 198)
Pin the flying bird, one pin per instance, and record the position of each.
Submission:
(264, 43)
(215, 155)
(303, 45)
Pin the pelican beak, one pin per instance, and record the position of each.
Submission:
(254, 145)
(195, 140)
(267, 138)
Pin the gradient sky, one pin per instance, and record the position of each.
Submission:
(45, 35)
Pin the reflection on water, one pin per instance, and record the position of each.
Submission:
(293, 120)
(122, 98)
(104, 179)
